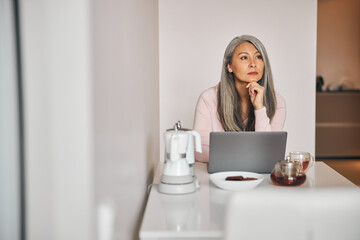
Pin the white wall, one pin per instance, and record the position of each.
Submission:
(58, 124)
(193, 36)
(126, 111)
(92, 116)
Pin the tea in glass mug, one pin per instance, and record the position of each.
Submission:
(304, 158)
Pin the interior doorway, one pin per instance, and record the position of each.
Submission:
(338, 86)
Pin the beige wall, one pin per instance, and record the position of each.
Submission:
(194, 34)
(338, 41)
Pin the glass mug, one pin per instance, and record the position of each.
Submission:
(305, 159)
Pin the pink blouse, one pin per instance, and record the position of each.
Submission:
(207, 119)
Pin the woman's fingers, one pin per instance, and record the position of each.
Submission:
(254, 88)
(256, 93)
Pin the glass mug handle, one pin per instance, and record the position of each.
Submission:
(311, 162)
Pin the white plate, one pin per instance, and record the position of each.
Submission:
(219, 180)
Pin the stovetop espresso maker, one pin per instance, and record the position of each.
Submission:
(178, 176)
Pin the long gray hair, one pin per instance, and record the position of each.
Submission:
(228, 98)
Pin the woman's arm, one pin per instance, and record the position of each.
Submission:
(206, 121)
(202, 125)
(262, 121)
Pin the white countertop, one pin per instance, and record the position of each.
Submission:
(201, 214)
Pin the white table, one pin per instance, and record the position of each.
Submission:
(200, 215)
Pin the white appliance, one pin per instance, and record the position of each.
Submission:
(178, 176)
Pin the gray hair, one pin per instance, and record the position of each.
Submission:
(228, 98)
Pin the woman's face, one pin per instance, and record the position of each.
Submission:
(247, 63)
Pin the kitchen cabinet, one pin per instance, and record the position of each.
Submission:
(338, 124)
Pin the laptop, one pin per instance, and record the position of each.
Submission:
(246, 151)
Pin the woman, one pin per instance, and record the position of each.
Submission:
(245, 99)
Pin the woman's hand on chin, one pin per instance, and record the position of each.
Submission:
(256, 93)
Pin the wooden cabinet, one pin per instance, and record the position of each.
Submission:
(338, 124)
